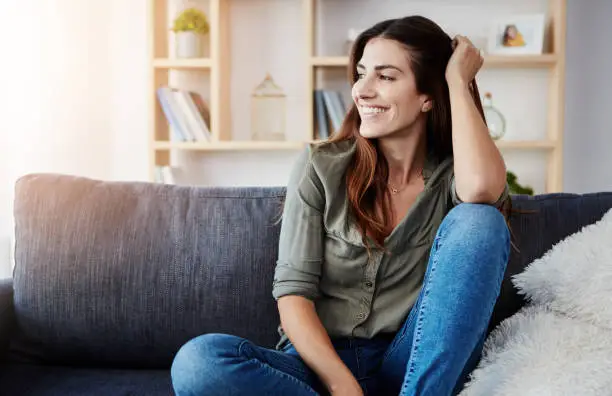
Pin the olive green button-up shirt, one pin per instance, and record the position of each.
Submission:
(322, 257)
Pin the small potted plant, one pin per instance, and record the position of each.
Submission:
(190, 26)
(515, 187)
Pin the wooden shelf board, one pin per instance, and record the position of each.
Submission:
(296, 145)
(230, 145)
(530, 61)
(196, 63)
(525, 144)
(332, 61)
(512, 144)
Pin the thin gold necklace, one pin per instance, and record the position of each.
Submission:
(395, 190)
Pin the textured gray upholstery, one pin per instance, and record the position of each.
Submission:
(117, 276)
(121, 273)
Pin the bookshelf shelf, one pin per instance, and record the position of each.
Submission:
(526, 144)
(498, 61)
(521, 61)
(329, 61)
(165, 63)
(235, 145)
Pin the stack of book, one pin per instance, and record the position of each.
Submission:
(330, 111)
(187, 114)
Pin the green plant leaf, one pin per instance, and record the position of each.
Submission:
(515, 187)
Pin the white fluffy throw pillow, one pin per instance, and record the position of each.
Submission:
(575, 276)
(537, 352)
(561, 342)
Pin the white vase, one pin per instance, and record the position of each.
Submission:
(188, 45)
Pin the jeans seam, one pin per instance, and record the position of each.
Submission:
(399, 339)
(278, 371)
(281, 373)
(418, 332)
(357, 353)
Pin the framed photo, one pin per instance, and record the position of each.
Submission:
(517, 34)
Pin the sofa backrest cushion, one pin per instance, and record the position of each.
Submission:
(123, 273)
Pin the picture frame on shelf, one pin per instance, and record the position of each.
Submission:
(517, 35)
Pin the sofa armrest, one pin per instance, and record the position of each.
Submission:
(7, 315)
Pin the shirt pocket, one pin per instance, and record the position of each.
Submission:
(339, 247)
(343, 263)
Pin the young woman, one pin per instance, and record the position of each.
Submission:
(393, 245)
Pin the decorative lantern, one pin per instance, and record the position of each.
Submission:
(268, 103)
(495, 119)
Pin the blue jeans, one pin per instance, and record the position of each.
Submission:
(431, 355)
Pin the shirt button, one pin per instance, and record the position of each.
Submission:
(368, 284)
(360, 315)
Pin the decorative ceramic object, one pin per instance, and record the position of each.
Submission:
(495, 119)
(268, 103)
(351, 36)
(188, 45)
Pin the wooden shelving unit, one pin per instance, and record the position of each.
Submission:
(217, 65)
(498, 61)
(553, 62)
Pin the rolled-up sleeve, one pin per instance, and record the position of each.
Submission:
(300, 251)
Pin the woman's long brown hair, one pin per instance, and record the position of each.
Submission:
(429, 49)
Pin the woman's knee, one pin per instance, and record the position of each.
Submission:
(198, 366)
(478, 221)
(475, 233)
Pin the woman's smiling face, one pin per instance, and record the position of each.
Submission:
(385, 92)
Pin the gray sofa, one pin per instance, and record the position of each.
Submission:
(111, 278)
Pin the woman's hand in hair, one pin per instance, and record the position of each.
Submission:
(464, 63)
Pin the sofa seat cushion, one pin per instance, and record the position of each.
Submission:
(68, 381)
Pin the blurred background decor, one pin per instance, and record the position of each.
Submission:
(351, 36)
(515, 187)
(190, 27)
(517, 34)
(268, 105)
(496, 122)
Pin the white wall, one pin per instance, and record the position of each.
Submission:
(128, 84)
(588, 128)
(56, 95)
